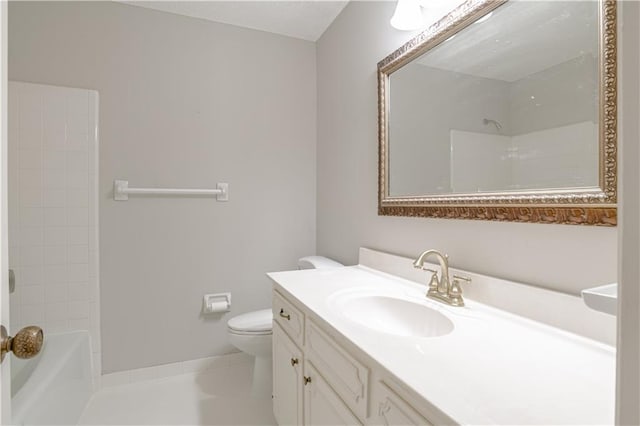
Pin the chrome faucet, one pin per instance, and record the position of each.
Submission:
(443, 289)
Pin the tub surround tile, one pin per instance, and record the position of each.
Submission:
(31, 314)
(30, 217)
(56, 293)
(55, 255)
(60, 326)
(55, 236)
(78, 254)
(80, 324)
(79, 292)
(29, 275)
(54, 179)
(31, 255)
(53, 199)
(54, 160)
(27, 237)
(30, 159)
(77, 235)
(32, 295)
(54, 217)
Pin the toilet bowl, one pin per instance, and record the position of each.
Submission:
(251, 332)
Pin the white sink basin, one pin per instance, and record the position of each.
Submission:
(395, 316)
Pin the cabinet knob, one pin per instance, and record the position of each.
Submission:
(306, 380)
(294, 361)
(283, 315)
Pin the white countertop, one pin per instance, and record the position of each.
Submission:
(494, 368)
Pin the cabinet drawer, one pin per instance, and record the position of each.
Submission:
(390, 409)
(346, 375)
(289, 317)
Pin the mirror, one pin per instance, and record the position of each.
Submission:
(503, 111)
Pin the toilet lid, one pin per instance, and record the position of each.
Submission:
(256, 321)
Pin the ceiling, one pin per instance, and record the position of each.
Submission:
(306, 19)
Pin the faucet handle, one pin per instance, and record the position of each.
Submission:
(433, 283)
(462, 278)
(455, 292)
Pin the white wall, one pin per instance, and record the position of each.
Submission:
(53, 222)
(566, 258)
(183, 103)
(628, 377)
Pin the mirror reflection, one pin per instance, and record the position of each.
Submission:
(508, 104)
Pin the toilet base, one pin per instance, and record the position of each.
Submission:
(262, 384)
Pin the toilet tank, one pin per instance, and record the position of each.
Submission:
(317, 262)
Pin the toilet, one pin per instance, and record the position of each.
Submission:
(251, 332)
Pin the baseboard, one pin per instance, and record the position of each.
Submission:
(158, 372)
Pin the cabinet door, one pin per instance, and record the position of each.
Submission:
(322, 405)
(347, 376)
(287, 379)
(392, 410)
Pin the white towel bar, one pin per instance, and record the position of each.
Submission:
(121, 191)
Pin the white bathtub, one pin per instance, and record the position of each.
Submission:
(55, 386)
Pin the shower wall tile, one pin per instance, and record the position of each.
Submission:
(53, 238)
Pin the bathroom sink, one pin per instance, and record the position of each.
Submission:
(396, 316)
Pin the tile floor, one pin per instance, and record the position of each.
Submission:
(220, 396)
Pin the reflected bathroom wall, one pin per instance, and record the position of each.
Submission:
(557, 157)
(440, 121)
(470, 148)
(426, 104)
(524, 69)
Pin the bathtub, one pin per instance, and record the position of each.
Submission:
(55, 386)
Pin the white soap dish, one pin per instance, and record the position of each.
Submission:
(603, 298)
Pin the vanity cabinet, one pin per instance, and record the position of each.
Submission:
(317, 381)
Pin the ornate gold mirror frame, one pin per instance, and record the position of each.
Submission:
(565, 206)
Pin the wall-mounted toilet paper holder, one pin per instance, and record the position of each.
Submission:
(218, 302)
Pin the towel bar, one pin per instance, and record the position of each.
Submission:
(121, 191)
